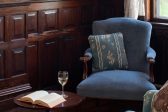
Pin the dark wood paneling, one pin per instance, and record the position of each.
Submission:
(30, 54)
(6, 94)
(118, 8)
(32, 63)
(105, 9)
(2, 64)
(67, 48)
(87, 15)
(48, 20)
(18, 61)
(39, 38)
(12, 3)
(14, 81)
(159, 42)
(69, 53)
(31, 22)
(110, 8)
(17, 26)
(69, 18)
(2, 29)
(48, 62)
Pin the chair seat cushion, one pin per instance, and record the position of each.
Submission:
(116, 84)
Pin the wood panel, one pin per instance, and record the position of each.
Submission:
(31, 22)
(87, 15)
(110, 8)
(67, 45)
(17, 26)
(13, 81)
(37, 56)
(2, 29)
(118, 8)
(48, 62)
(2, 64)
(69, 18)
(69, 53)
(159, 42)
(40, 37)
(18, 61)
(32, 64)
(48, 20)
(105, 9)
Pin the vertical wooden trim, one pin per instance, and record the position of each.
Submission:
(147, 10)
(7, 65)
(153, 8)
(150, 9)
(7, 27)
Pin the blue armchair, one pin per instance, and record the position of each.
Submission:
(129, 84)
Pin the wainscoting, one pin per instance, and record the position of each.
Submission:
(159, 42)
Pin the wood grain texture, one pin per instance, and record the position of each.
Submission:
(38, 38)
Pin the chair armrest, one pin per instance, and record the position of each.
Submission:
(148, 100)
(85, 59)
(88, 53)
(151, 54)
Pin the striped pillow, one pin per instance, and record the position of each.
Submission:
(108, 52)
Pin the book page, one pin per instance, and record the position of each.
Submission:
(50, 100)
(34, 96)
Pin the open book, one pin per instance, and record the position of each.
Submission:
(43, 98)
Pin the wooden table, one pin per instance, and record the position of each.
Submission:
(72, 100)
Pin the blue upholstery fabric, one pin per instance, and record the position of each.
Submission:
(136, 36)
(148, 100)
(88, 52)
(116, 84)
(108, 52)
(128, 84)
(151, 53)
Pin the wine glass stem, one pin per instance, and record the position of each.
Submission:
(63, 90)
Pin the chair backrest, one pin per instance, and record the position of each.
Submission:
(136, 36)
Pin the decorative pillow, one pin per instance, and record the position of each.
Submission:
(160, 99)
(108, 52)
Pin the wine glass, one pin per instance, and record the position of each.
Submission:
(62, 79)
